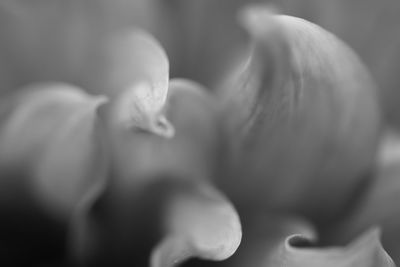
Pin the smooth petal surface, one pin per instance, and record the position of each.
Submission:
(286, 241)
(378, 206)
(199, 223)
(302, 117)
(50, 153)
(193, 150)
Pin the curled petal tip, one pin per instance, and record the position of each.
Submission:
(137, 79)
(199, 224)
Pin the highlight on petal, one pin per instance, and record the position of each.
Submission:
(200, 224)
(134, 71)
(302, 116)
(378, 205)
(50, 134)
(285, 241)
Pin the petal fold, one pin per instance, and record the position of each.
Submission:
(133, 69)
(285, 241)
(199, 224)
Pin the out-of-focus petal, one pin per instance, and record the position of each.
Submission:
(51, 131)
(302, 117)
(290, 242)
(51, 152)
(56, 40)
(378, 205)
(371, 28)
(147, 173)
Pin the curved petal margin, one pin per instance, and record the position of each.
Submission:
(292, 243)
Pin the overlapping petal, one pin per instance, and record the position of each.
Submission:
(51, 151)
(60, 40)
(302, 115)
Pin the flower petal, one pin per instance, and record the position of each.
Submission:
(50, 149)
(378, 204)
(147, 173)
(198, 224)
(291, 242)
(194, 148)
(302, 117)
(133, 70)
(370, 27)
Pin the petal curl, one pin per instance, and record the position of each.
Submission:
(302, 116)
(378, 204)
(287, 241)
(51, 131)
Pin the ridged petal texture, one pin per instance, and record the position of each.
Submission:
(302, 117)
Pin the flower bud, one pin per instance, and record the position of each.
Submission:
(302, 117)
